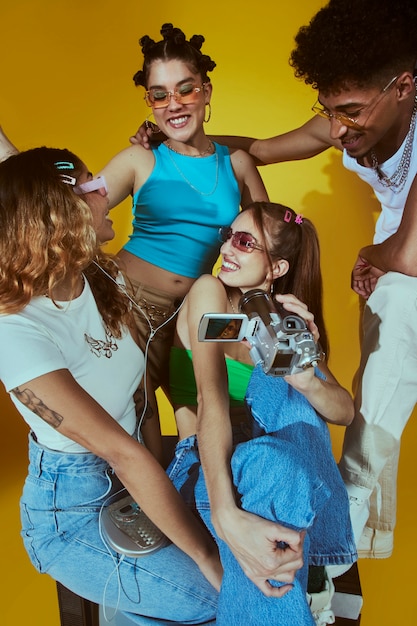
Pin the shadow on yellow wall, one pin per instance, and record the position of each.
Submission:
(66, 81)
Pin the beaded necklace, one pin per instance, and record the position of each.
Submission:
(231, 303)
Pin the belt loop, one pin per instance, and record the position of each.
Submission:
(36, 456)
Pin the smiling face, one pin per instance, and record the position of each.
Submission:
(245, 270)
(98, 203)
(179, 121)
(381, 115)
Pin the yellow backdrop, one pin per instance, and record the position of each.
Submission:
(66, 81)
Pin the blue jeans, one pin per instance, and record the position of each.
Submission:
(60, 508)
(282, 412)
(287, 475)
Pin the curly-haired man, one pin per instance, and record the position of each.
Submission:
(367, 97)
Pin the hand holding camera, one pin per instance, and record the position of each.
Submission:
(280, 341)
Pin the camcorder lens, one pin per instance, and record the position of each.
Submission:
(257, 302)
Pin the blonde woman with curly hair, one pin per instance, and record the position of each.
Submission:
(71, 367)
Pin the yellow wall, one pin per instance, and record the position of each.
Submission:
(65, 79)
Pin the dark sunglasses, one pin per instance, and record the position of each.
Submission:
(244, 242)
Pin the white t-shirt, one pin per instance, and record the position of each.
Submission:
(42, 338)
(392, 204)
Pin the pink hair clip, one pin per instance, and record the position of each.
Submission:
(288, 215)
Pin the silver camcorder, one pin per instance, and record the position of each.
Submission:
(280, 341)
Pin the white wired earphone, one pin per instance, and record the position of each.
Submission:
(152, 334)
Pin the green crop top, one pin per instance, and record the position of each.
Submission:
(182, 382)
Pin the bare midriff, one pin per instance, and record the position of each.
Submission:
(141, 271)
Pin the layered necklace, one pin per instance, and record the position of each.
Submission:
(397, 181)
(209, 150)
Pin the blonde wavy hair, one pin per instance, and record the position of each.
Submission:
(47, 235)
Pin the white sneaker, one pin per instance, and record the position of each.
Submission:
(359, 507)
(321, 604)
(375, 544)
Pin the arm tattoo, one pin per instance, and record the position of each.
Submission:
(34, 404)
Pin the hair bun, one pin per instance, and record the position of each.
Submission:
(174, 44)
(146, 43)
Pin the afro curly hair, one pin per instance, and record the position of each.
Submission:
(360, 42)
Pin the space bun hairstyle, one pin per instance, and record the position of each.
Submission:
(173, 45)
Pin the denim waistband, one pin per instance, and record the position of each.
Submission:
(44, 458)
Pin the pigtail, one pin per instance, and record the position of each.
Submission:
(308, 279)
(291, 236)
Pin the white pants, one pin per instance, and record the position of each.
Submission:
(385, 397)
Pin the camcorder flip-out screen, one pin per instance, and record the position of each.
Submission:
(280, 340)
(223, 327)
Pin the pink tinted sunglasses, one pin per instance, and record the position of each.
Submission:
(244, 242)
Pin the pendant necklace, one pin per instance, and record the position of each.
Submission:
(181, 173)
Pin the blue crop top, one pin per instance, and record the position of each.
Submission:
(182, 385)
(179, 209)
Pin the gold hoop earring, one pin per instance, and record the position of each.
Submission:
(152, 126)
(209, 113)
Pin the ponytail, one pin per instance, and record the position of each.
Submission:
(293, 237)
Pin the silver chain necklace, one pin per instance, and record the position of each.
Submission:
(209, 150)
(231, 302)
(396, 182)
(181, 173)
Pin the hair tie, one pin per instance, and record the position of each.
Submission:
(298, 219)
